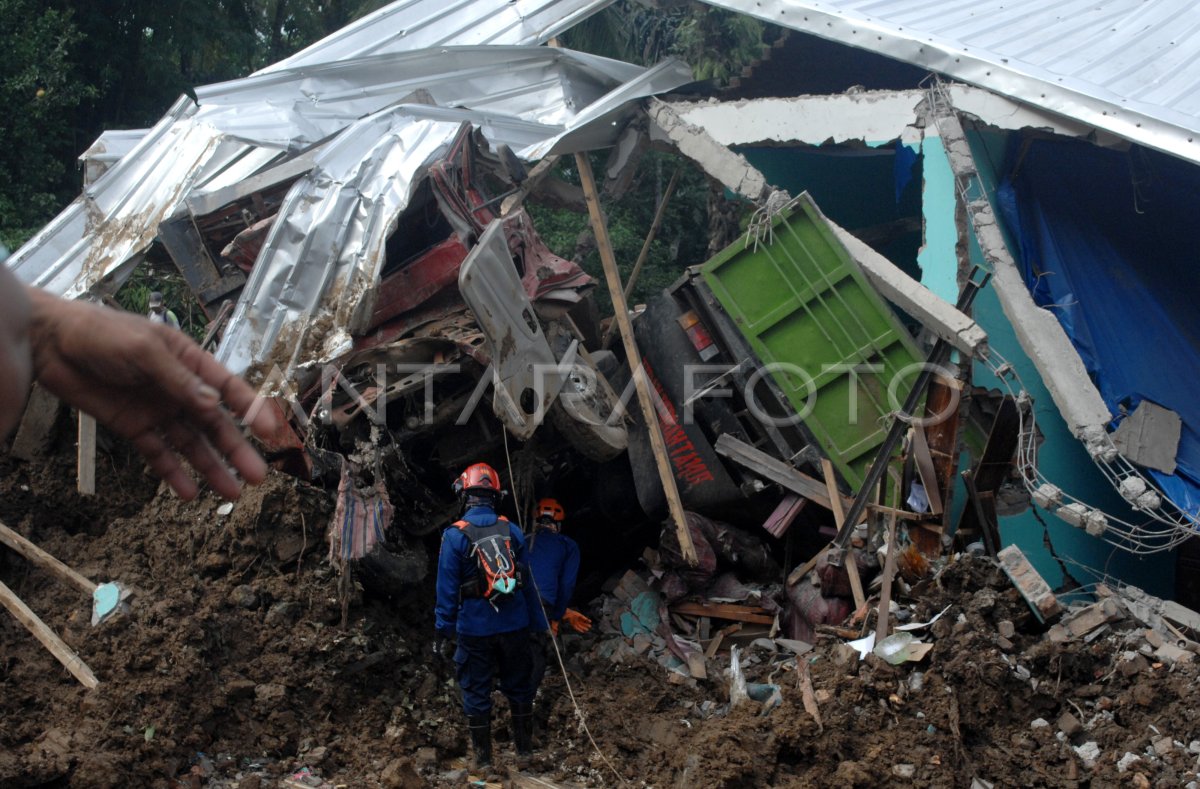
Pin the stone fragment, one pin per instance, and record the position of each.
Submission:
(1069, 725)
(1125, 761)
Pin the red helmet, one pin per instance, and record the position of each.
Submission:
(550, 508)
(479, 477)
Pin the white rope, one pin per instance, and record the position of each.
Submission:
(554, 638)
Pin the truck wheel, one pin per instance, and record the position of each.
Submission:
(580, 412)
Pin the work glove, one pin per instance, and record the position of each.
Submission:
(554, 627)
(443, 648)
(578, 622)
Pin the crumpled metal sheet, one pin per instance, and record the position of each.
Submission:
(1124, 66)
(309, 289)
(419, 24)
(327, 242)
(94, 241)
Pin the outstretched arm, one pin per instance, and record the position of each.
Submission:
(152, 385)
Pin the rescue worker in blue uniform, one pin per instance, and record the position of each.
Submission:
(554, 565)
(492, 633)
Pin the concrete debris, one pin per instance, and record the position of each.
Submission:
(1029, 583)
(1150, 437)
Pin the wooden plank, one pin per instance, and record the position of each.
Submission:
(696, 666)
(807, 567)
(534, 179)
(780, 520)
(883, 509)
(721, 634)
(44, 560)
(835, 504)
(856, 587)
(730, 611)
(925, 469)
(776, 471)
(86, 463)
(634, 357)
(889, 575)
(944, 407)
(50, 640)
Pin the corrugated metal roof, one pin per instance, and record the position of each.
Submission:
(1127, 66)
(96, 238)
(419, 24)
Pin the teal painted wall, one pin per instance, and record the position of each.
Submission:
(858, 191)
(1061, 457)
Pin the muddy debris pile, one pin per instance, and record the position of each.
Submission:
(234, 669)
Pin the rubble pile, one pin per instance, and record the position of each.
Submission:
(233, 669)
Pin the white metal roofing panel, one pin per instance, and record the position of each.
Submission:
(408, 25)
(1130, 67)
(74, 251)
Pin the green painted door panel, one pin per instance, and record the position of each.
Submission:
(809, 314)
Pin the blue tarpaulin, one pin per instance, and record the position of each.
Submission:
(1106, 241)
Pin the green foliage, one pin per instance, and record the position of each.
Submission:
(69, 69)
(681, 241)
(717, 44)
(134, 296)
(38, 85)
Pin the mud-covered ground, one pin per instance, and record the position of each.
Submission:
(233, 669)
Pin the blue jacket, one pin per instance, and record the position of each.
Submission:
(554, 563)
(475, 616)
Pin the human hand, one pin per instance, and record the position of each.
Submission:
(152, 385)
(554, 628)
(578, 622)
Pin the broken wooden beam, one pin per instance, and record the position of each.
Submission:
(532, 181)
(728, 611)
(633, 356)
(796, 575)
(885, 589)
(856, 587)
(50, 640)
(715, 644)
(780, 520)
(44, 560)
(923, 460)
(775, 470)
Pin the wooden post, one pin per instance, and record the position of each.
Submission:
(50, 640)
(889, 574)
(86, 462)
(621, 308)
(835, 500)
(44, 560)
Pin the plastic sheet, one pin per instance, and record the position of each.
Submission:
(1103, 239)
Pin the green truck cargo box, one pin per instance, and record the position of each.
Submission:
(810, 316)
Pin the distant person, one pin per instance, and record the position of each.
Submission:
(483, 604)
(145, 382)
(554, 564)
(159, 313)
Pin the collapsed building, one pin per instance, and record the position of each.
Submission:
(960, 307)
